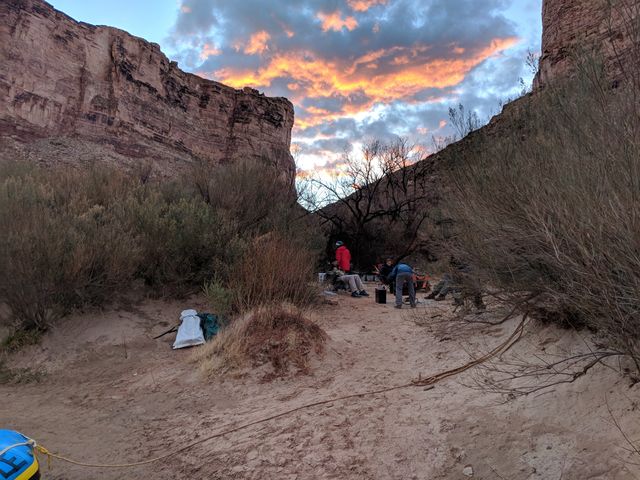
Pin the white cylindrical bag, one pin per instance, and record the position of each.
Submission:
(189, 332)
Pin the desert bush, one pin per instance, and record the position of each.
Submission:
(553, 213)
(183, 241)
(59, 249)
(278, 254)
(73, 238)
(20, 338)
(279, 336)
(19, 375)
(254, 193)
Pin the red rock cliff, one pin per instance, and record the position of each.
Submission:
(60, 78)
(570, 27)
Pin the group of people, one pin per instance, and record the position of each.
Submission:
(398, 276)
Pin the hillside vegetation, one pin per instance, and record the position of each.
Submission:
(551, 217)
(76, 238)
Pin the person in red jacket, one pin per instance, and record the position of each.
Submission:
(343, 257)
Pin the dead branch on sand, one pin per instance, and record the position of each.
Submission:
(632, 447)
(520, 377)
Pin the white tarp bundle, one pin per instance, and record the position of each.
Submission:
(189, 332)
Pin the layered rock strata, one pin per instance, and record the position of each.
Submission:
(61, 79)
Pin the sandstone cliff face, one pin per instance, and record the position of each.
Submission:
(570, 27)
(64, 79)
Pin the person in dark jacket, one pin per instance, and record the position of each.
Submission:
(343, 257)
(383, 270)
(401, 274)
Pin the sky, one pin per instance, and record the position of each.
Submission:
(355, 70)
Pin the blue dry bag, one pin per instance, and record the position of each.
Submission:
(17, 462)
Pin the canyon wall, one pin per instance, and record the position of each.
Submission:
(93, 85)
(571, 28)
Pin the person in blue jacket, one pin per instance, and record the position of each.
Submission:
(401, 274)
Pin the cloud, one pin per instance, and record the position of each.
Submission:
(334, 21)
(358, 68)
(257, 43)
(195, 17)
(364, 5)
(209, 50)
(375, 76)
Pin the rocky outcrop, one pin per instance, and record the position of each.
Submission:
(571, 28)
(68, 80)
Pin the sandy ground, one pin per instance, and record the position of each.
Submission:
(111, 394)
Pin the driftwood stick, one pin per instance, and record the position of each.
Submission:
(172, 329)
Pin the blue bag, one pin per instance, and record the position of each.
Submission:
(17, 462)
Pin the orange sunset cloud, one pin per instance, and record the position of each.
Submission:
(257, 43)
(365, 69)
(405, 74)
(208, 50)
(333, 21)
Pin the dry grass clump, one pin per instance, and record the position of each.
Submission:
(279, 336)
(273, 270)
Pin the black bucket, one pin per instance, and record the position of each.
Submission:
(381, 295)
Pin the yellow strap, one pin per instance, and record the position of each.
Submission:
(29, 472)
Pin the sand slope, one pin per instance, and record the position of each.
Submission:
(112, 394)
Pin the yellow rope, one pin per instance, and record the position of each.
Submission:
(515, 336)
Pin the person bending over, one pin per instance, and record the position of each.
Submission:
(401, 274)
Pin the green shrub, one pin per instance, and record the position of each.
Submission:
(274, 261)
(20, 338)
(183, 242)
(218, 297)
(74, 238)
